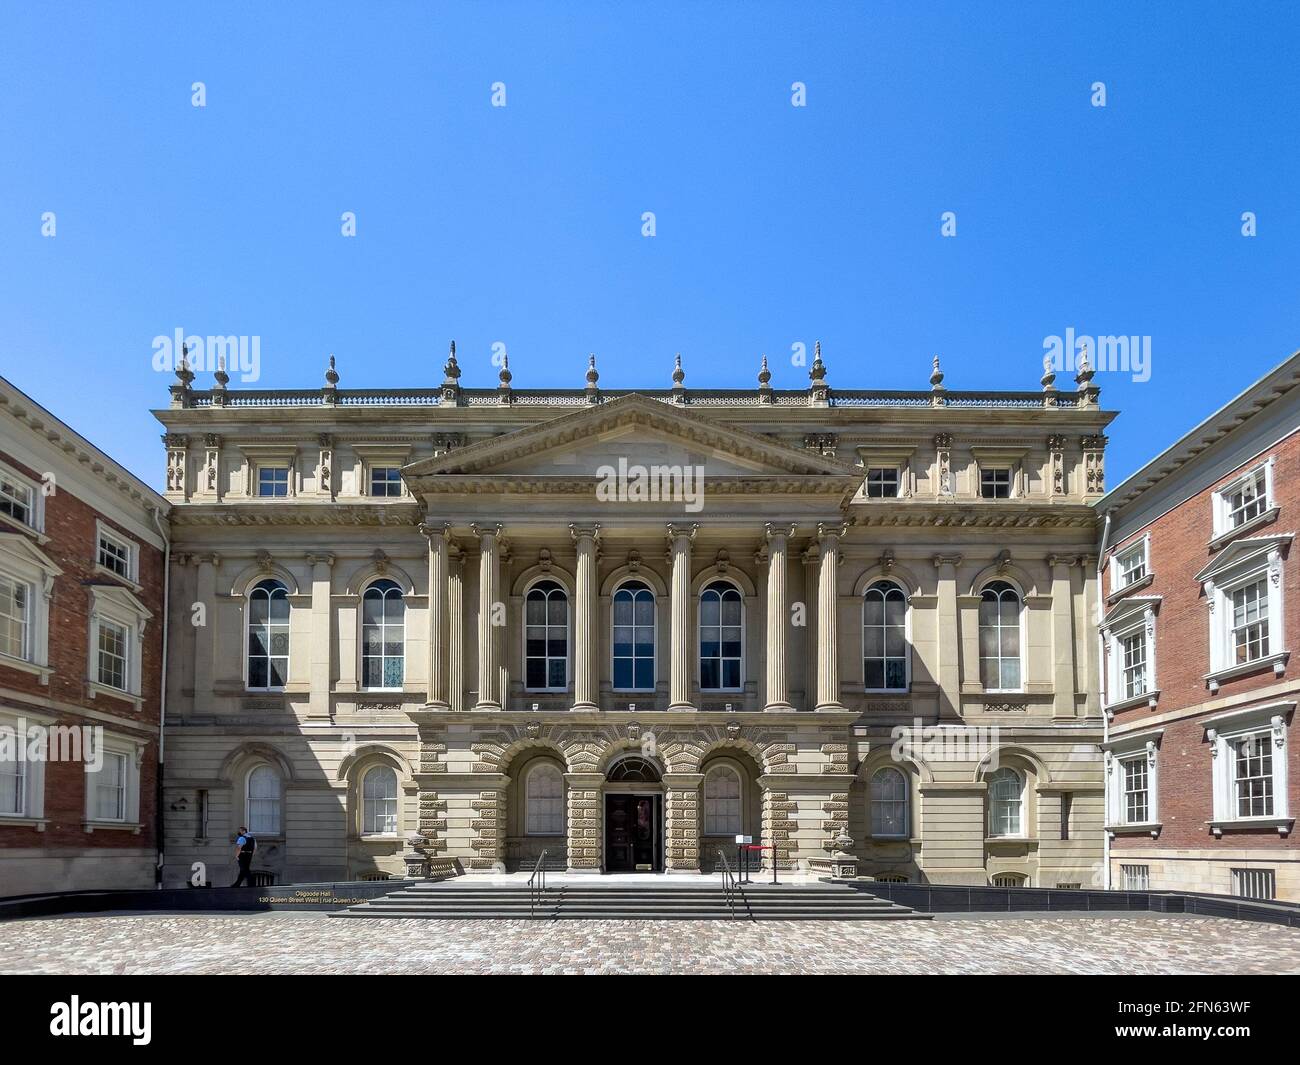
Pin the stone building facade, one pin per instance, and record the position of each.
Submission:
(82, 547)
(1202, 608)
(451, 626)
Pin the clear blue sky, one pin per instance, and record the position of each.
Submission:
(522, 225)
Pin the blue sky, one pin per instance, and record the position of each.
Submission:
(775, 225)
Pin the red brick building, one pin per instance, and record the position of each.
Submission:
(1201, 614)
(81, 632)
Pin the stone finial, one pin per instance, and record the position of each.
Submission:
(1049, 382)
(450, 369)
(504, 392)
(818, 371)
(679, 375)
(593, 390)
(220, 376)
(183, 371)
(1088, 392)
(332, 374)
(818, 389)
(764, 383)
(937, 388)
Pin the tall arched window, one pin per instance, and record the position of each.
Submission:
(1000, 637)
(721, 637)
(379, 801)
(546, 639)
(262, 802)
(383, 635)
(1006, 803)
(268, 635)
(888, 803)
(544, 801)
(634, 637)
(884, 637)
(722, 814)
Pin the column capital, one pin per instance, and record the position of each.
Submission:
(486, 528)
(1061, 560)
(676, 530)
(325, 559)
(831, 530)
(773, 529)
(433, 529)
(946, 560)
(581, 532)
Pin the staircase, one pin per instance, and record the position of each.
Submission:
(811, 902)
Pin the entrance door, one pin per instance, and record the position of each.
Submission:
(632, 833)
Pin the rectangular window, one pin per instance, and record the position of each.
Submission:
(1246, 499)
(1254, 883)
(1136, 877)
(1067, 806)
(108, 788)
(13, 787)
(882, 482)
(1137, 795)
(15, 618)
(1134, 649)
(112, 654)
(115, 555)
(995, 483)
(1250, 622)
(273, 481)
(1252, 775)
(1132, 565)
(385, 481)
(16, 499)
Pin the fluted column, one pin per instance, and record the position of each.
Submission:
(828, 644)
(778, 684)
(490, 608)
(585, 681)
(679, 651)
(439, 613)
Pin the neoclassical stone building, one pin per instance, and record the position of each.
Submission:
(422, 627)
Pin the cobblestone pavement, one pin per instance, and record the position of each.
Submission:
(313, 943)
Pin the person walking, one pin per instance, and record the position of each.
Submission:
(245, 848)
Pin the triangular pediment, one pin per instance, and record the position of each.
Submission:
(635, 431)
(1241, 552)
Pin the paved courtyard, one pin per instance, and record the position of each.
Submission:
(315, 943)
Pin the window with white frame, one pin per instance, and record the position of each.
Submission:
(383, 635)
(26, 583)
(1249, 766)
(113, 648)
(999, 637)
(1006, 802)
(544, 801)
(18, 498)
(268, 636)
(22, 781)
(1136, 877)
(1137, 797)
(113, 787)
(116, 553)
(15, 617)
(722, 794)
(272, 482)
(1132, 782)
(1249, 631)
(385, 481)
(379, 801)
(1134, 663)
(117, 624)
(882, 482)
(1131, 565)
(1244, 499)
(1244, 593)
(1255, 883)
(889, 804)
(109, 788)
(634, 637)
(13, 786)
(995, 482)
(262, 801)
(722, 627)
(884, 638)
(546, 637)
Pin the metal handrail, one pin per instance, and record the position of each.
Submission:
(539, 876)
(729, 886)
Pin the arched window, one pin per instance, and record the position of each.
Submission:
(268, 635)
(546, 639)
(383, 635)
(544, 801)
(1010, 880)
(379, 801)
(1006, 803)
(722, 815)
(888, 803)
(633, 768)
(721, 637)
(1000, 637)
(634, 637)
(262, 805)
(884, 637)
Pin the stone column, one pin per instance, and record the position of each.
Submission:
(439, 572)
(455, 627)
(1062, 637)
(682, 822)
(828, 644)
(778, 683)
(679, 652)
(585, 648)
(948, 636)
(320, 658)
(205, 636)
(583, 822)
(489, 601)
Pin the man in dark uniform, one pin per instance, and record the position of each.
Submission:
(245, 848)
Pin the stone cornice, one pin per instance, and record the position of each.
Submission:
(301, 512)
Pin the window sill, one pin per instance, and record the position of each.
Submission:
(1137, 828)
(1223, 538)
(104, 571)
(19, 821)
(1128, 589)
(23, 527)
(1282, 824)
(1150, 698)
(112, 826)
(94, 689)
(43, 672)
(1276, 662)
(886, 691)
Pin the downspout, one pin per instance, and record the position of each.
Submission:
(1101, 696)
(162, 695)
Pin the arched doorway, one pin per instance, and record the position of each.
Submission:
(634, 816)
